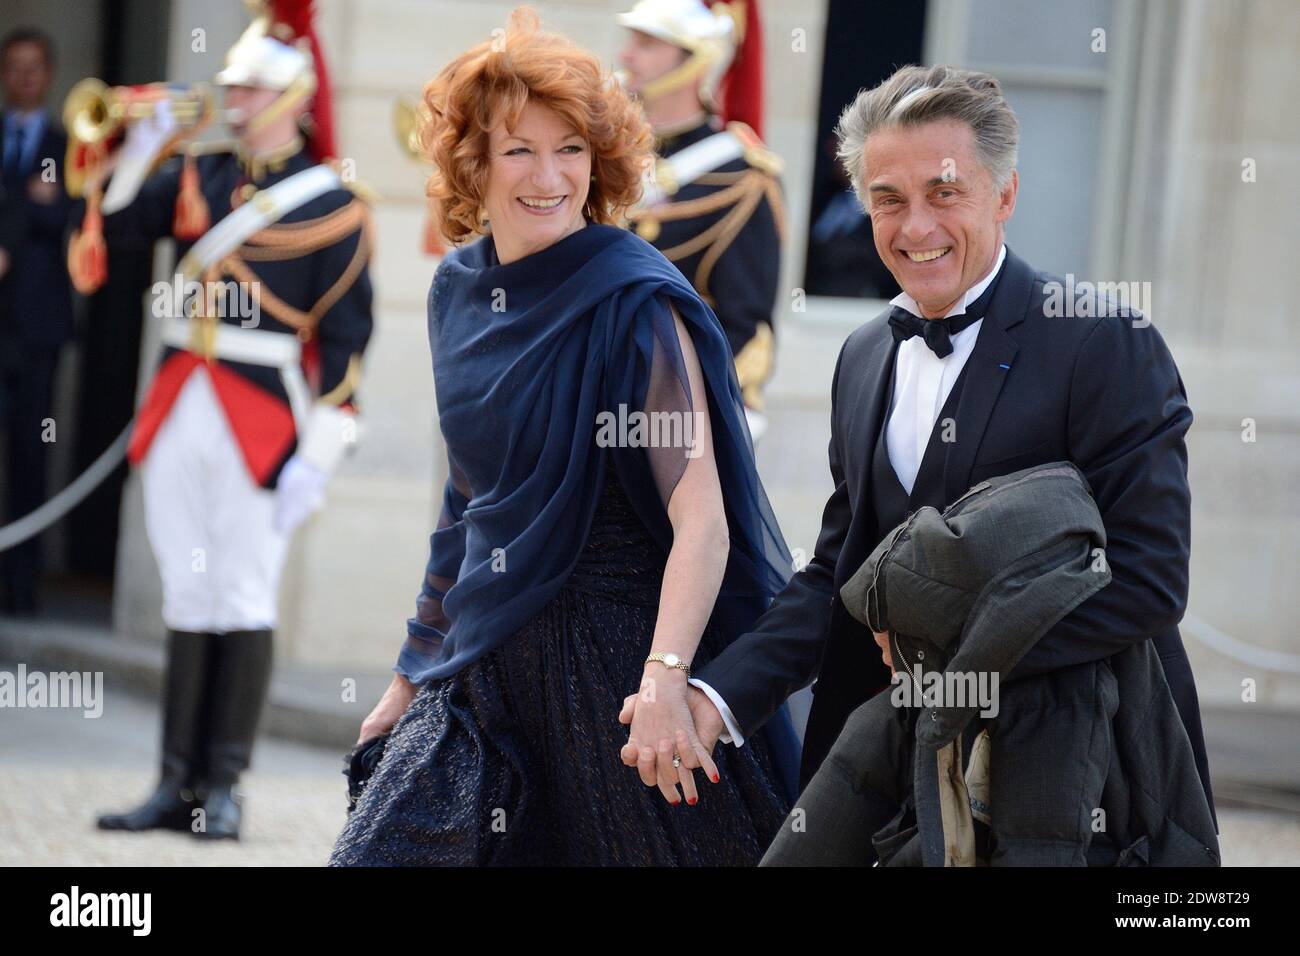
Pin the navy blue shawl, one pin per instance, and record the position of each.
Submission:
(526, 357)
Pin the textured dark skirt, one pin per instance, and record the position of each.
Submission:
(514, 760)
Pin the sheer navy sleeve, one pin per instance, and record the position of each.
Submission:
(426, 631)
(672, 422)
(649, 374)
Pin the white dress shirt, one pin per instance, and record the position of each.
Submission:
(922, 382)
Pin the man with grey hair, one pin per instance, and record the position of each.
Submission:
(969, 375)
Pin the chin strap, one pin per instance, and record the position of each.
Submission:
(302, 87)
(701, 60)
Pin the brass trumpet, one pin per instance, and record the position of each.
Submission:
(94, 111)
(406, 122)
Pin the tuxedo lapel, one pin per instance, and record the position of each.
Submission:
(986, 371)
(865, 415)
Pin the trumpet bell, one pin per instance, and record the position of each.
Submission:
(94, 111)
(87, 113)
(406, 125)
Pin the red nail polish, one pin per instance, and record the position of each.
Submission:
(693, 801)
(715, 778)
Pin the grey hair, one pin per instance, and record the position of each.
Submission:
(916, 95)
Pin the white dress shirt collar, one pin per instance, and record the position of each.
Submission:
(959, 307)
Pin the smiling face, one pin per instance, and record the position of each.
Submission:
(539, 175)
(936, 214)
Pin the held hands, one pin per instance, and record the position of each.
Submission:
(662, 718)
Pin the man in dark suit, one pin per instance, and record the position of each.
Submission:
(973, 373)
(35, 295)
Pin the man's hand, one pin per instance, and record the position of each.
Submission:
(42, 192)
(882, 641)
(708, 722)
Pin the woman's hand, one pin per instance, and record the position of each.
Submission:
(661, 725)
(391, 706)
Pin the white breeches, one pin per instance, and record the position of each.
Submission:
(209, 524)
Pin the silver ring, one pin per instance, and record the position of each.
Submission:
(677, 760)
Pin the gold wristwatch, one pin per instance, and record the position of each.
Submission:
(670, 660)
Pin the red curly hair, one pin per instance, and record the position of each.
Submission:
(490, 84)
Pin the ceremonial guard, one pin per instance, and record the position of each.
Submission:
(253, 402)
(714, 207)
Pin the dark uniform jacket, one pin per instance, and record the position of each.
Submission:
(723, 231)
(313, 275)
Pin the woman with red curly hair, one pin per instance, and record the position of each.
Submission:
(603, 526)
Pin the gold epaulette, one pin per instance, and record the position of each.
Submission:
(756, 152)
(754, 365)
(738, 196)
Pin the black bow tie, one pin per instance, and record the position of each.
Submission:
(938, 333)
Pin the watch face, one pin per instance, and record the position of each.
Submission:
(672, 660)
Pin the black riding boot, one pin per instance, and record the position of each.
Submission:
(172, 804)
(241, 674)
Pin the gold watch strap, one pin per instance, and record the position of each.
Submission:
(670, 660)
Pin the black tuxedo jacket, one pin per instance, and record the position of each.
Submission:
(1102, 392)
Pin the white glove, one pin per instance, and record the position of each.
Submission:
(299, 493)
(145, 139)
